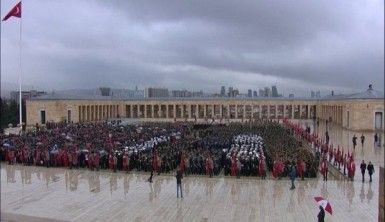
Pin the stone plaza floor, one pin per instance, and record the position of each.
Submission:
(58, 194)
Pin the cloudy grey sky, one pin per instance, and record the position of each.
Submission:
(300, 45)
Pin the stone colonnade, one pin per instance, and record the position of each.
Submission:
(332, 113)
(98, 112)
(217, 110)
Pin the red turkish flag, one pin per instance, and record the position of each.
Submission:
(15, 11)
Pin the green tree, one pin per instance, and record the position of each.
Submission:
(9, 112)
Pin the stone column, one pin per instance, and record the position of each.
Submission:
(292, 111)
(244, 111)
(152, 111)
(138, 110)
(236, 111)
(268, 111)
(189, 111)
(96, 112)
(182, 111)
(167, 110)
(174, 111)
(204, 111)
(228, 111)
(284, 111)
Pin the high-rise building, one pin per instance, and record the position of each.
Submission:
(197, 94)
(274, 91)
(223, 91)
(105, 91)
(231, 93)
(312, 94)
(156, 93)
(235, 93)
(181, 93)
(249, 93)
(127, 93)
(291, 95)
(255, 94)
(318, 94)
(262, 93)
(267, 92)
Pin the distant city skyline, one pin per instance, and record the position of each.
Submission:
(196, 46)
(163, 92)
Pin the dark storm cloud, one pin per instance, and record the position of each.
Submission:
(301, 45)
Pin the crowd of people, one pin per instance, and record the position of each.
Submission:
(235, 149)
(327, 154)
(246, 156)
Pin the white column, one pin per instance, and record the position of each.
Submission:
(204, 111)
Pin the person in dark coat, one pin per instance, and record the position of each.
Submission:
(375, 139)
(179, 178)
(152, 174)
(292, 175)
(370, 170)
(362, 140)
(354, 140)
(321, 214)
(363, 169)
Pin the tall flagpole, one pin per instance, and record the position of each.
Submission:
(20, 100)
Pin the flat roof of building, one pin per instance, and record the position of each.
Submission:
(368, 94)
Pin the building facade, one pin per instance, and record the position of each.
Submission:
(156, 93)
(363, 111)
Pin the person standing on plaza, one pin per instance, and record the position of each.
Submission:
(125, 161)
(321, 214)
(239, 168)
(354, 140)
(301, 169)
(292, 175)
(370, 170)
(179, 178)
(351, 169)
(115, 159)
(363, 169)
(327, 137)
(262, 168)
(151, 175)
(362, 140)
(324, 169)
